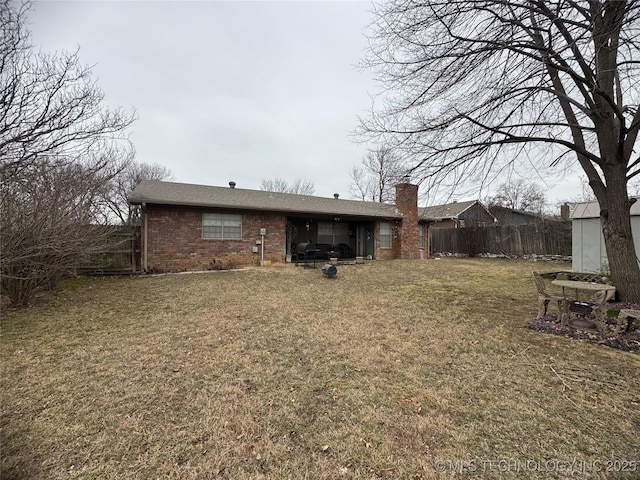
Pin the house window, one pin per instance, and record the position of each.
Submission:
(221, 225)
(333, 233)
(421, 234)
(385, 235)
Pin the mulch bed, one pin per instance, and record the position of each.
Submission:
(628, 341)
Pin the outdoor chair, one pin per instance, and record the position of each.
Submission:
(544, 297)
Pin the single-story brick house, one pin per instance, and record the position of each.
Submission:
(458, 215)
(189, 227)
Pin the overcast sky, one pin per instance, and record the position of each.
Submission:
(240, 91)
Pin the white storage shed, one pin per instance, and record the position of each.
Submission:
(588, 253)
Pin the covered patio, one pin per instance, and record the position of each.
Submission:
(345, 237)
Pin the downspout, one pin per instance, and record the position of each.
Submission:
(144, 248)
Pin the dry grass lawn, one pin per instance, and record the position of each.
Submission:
(386, 371)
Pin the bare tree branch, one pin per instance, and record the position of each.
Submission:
(375, 180)
(116, 195)
(299, 186)
(59, 150)
(519, 195)
(470, 88)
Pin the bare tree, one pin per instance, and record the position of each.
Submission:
(476, 87)
(50, 224)
(116, 196)
(274, 185)
(299, 186)
(377, 176)
(519, 195)
(59, 148)
(50, 105)
(360, 187)
(302, 187)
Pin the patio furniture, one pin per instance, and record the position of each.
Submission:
(544, 297)
(315, 251)
(597, 295)
(305, 252)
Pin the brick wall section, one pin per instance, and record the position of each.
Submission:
(407, 205)
(387, 253)
(396, 239)
(175, 243)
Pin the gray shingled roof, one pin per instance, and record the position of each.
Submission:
(449, 210)
(170, 193)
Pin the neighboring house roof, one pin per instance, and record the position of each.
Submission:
(513, 210)
(592, 210)
(449, 210)
(499, 212)
(170, 193)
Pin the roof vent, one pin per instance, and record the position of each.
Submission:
(232, 184)
(336, 195)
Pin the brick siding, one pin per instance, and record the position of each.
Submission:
(174, 236)
(175, 243)
(408, 243)
(393, 251)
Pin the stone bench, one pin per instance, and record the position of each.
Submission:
(576, 276)
(580, 277)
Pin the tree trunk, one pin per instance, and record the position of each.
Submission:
(618, 239)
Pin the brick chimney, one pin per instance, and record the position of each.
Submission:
(564, 211)
(408, 242)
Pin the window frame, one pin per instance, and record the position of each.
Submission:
(229, 222)
(386, 236)
(333, 233)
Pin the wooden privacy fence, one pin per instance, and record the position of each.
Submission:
(121, 253)
(548, 238)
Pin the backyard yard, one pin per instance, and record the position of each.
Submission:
(393, 370)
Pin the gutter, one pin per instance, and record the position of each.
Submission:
(146, 236)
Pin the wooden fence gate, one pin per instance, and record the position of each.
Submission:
(122, 255)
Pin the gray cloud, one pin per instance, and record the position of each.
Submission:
(227, 90)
